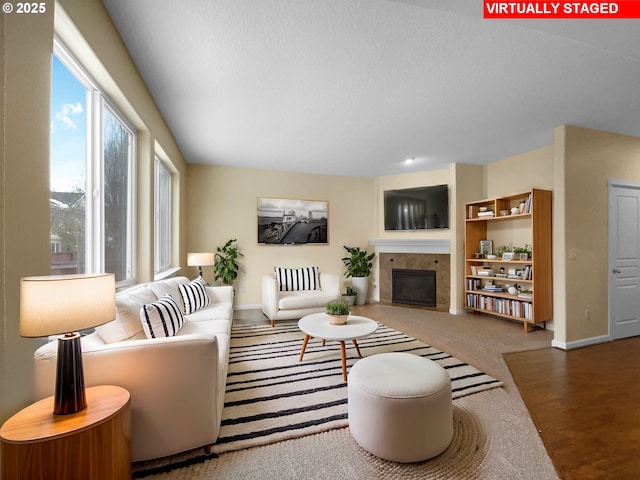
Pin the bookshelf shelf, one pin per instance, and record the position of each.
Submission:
(505, 218)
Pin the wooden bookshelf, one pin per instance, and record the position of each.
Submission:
(533, 304)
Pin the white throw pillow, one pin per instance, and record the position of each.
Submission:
(127, 322)
(161, 318)
(292, 279)
(194, 296)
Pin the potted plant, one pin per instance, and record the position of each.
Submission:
(226, 266)
(338, 312)
(349, 297)
(524, 250)
(359, 267)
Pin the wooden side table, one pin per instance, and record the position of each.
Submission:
(94, 443)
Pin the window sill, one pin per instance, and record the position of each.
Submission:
(166, 274)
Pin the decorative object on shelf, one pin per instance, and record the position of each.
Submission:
(512, 290)
(526, 250)
(491, 257)
(515, 211)
(349, 297)
(508, 256)
(64, 305)
(504, 213)
(200, 260)
(359, 266)
(486, 247)
(338, 312)
(485, 213)
(226, 265)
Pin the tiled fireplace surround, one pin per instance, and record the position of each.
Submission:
(423, 255)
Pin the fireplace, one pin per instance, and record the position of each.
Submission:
(413, 287)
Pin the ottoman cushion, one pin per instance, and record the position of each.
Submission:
(399, 406)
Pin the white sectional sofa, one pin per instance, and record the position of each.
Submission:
(177, 384)
(278, 304)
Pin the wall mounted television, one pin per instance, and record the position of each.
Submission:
(419, 208)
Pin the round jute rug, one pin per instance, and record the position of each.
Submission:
(330, 454)
(461, 459)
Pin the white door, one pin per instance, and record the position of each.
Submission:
(624, 259)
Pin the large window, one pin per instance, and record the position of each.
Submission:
(162, 217)
(92, 176)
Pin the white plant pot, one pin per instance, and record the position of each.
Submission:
(360, 285)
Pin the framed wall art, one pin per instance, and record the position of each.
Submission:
(283, 221)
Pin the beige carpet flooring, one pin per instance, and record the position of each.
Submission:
(498, 442)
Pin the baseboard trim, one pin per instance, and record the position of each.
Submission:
(585, 342)
(257, 306)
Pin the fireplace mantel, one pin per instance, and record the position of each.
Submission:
(411, 245)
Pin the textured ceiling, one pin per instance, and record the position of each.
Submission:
(353, 87)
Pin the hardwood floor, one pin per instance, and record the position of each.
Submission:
(586, 405)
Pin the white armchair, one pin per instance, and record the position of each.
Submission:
(277, 305)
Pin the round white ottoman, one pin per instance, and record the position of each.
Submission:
(399, 406)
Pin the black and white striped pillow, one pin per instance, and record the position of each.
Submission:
(291, 279)
(194, 296)
(161, 318)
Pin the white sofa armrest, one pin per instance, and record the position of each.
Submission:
(220, 294)
(270, 295)
(172, 382)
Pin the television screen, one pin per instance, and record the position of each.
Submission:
(420, 208)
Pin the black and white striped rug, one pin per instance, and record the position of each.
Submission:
(271, 396)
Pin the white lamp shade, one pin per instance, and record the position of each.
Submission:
(58, 304)
(200, 259)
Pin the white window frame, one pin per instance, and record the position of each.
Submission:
(162, 217)
(97, 102)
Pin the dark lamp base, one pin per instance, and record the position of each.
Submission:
(69, 396)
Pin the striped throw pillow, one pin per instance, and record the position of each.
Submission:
(292, 279)
(161, 318)
(194, 296)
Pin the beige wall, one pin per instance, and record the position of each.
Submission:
(591, 157)
(24, 189)
(222, 204)
(519, 173)
(465, 188)
(24, 161)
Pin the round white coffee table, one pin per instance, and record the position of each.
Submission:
(317, 325)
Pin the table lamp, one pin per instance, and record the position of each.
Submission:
(64, 305)
(200, 260)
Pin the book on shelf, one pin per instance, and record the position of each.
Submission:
(492, 289)
(525, 296)
(502, 306)
(526, 208)
(488, 213)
